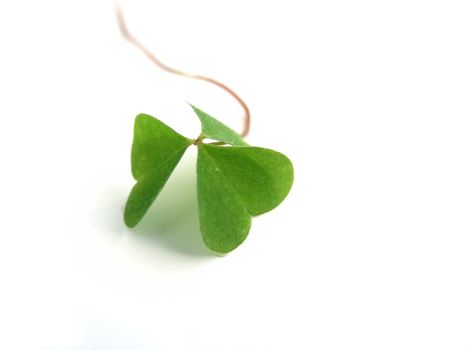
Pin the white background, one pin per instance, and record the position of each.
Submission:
(368, 98)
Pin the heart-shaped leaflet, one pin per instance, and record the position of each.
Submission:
(235, 183)
(155, 153)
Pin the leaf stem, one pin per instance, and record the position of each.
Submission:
(198, 140)
(128, 36)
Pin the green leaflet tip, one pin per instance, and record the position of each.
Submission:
(216, 130)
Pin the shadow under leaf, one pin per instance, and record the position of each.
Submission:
(172, 220)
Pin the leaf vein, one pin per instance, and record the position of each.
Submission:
(218, 170)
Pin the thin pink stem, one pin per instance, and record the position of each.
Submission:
(128, 36)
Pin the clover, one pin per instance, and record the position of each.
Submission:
(235, 181)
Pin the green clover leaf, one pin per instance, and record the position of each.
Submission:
(234, 182)
(155, 153)
(214, 129)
